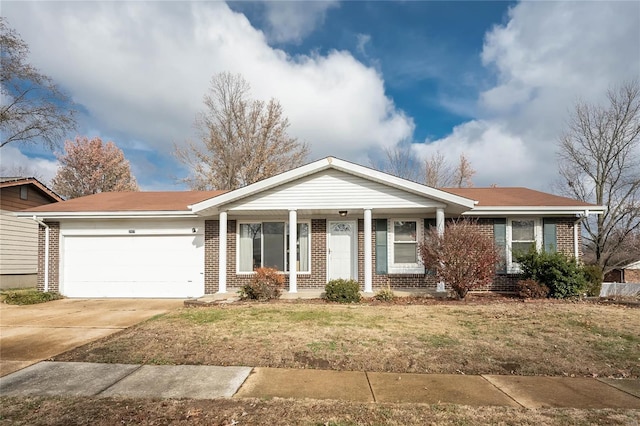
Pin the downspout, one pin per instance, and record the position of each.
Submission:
(46, 252)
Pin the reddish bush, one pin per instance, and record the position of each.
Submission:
(266, 284)
(532, 289)
(463, 257)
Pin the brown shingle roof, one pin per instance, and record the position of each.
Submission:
(515, 197)
(130, 201)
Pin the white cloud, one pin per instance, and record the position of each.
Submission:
(13, 160)
(141, 70)
(548, 55)
(291, 21)
(362, 41)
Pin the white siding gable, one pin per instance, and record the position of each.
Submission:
(332, 189)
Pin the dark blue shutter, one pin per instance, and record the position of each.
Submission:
(381, 246)
(549, 235)
(500, 238)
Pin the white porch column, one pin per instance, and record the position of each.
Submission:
(440, 228)
(293, 258)
(222, 254)
(368, 263)
(440, 220)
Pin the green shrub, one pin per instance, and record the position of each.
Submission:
(594, 276)
(385, 295)
(561, 274)
(343, 291)
(532, 289)
(29, 297)
(266, 284)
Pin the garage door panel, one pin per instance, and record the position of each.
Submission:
(133, 266)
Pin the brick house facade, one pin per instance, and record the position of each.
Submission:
(344, 220)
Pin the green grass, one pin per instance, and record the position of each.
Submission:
(27, 296)
(438, 340)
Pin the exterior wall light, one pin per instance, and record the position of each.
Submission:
(342, 213)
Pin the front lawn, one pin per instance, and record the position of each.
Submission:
(500, 337)
(34, 411)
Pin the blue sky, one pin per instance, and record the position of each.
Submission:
(492, 80)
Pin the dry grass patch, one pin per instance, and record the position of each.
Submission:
(545, 338)
(110, 411)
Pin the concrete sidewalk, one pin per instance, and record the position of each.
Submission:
(205, 382)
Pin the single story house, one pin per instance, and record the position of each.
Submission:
(625, 274)
(327, 219)
(19, 236)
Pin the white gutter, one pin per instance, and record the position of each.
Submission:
(46, 252)
(111, 215)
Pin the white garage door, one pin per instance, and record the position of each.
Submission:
(133, 266)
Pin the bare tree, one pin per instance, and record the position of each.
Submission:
(399, 161)
(242, 140)
(89, 166)
(599, 158)
(33, 109)
(463, 173)
(438, 172)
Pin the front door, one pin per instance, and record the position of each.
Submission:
(342, 250)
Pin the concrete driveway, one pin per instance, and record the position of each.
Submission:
(33, 333)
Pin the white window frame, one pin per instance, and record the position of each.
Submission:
(286, 225)
(404, 268)
(512, 266)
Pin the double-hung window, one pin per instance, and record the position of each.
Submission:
(523, 234)
(403, 253)
(266, 244)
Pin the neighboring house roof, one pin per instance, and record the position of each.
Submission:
(518, 200)
(168, 201)
(634, 265)
(6, 182)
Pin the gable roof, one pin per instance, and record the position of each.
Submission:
(7, 182)
(212, 206)
(112, 202)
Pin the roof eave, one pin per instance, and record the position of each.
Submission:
(107, 215)
(535, 210)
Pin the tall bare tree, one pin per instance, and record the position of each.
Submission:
(242, 140)
(89, 166)
(400, 161)
(599, 158)
(437, 171)
(463, 173)
(33, 109)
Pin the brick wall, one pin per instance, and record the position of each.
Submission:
(632, 275)
(317, 279)
(54, 256)
(564, 235)
(211, 244)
